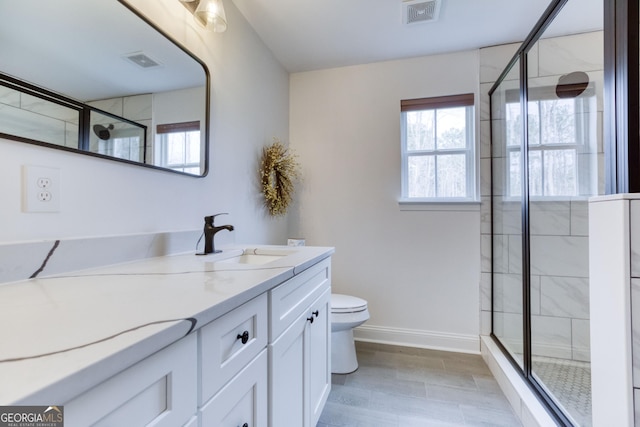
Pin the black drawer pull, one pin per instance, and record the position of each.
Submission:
(310, 319)
(245, 425)
(316, 313)
(244, 338)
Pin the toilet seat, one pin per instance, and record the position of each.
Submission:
(347, 304)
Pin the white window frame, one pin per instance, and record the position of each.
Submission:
(471, 164)
(131, 136)
(582, 125)
(162, 134)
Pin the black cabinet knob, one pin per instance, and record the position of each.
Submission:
(316, 313)
(310, 319)
(244, 338)
(245, 425)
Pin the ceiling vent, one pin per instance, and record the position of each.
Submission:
(142, 60)
(420, 11)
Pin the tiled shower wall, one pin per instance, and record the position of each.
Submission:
(59, 125)
(559, 228)
(56, 124)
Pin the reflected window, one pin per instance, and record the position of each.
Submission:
(128, 148)
(178, 146)
(560, 132)
(438, 148)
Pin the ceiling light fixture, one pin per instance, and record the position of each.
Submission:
(208, 13)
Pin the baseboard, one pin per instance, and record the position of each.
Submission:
(418, 338)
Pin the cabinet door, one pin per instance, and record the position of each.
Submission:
(300, 379)
(160, 391)
(242, 401)
(286, 381)
(319, 356)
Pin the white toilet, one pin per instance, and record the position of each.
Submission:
(347, 312)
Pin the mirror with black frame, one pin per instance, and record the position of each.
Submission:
(98, 78)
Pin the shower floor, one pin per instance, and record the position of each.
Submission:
(569, 384)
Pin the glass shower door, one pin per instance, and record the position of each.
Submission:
(506, 128)
(564, 124)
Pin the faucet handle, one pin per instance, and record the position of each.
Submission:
(209, 219)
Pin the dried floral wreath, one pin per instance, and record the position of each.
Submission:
(279, 170)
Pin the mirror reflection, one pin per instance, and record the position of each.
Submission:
(96, 78)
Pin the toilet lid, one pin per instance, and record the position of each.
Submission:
(347, 304)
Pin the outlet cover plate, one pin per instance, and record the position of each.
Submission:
(40, 189)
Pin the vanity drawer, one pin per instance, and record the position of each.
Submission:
(242, 401)
(292, 298)
(230, 342)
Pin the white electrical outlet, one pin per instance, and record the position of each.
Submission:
(41, 189)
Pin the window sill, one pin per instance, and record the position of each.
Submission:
(438, 205)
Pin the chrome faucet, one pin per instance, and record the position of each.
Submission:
(210, 230)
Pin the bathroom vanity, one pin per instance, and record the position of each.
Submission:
(240, 338)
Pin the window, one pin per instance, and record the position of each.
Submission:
(125, 147)
(438, 161)
(560, 133)
(178, 146)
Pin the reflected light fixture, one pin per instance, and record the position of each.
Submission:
(208, 13)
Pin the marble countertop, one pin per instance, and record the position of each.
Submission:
(61, 335)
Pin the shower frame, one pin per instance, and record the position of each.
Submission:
(622, 96)
(521, 58)
(621, 134)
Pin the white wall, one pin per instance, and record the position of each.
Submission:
(419, 270)
(101, 198)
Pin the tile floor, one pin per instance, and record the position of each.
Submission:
(402, 386)
(569, 381)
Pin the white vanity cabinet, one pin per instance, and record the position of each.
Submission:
(158, 391)
(264, 363)
(299, 349)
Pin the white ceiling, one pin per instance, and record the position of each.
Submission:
(44, 47)
(314, 34)
(78, 48)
